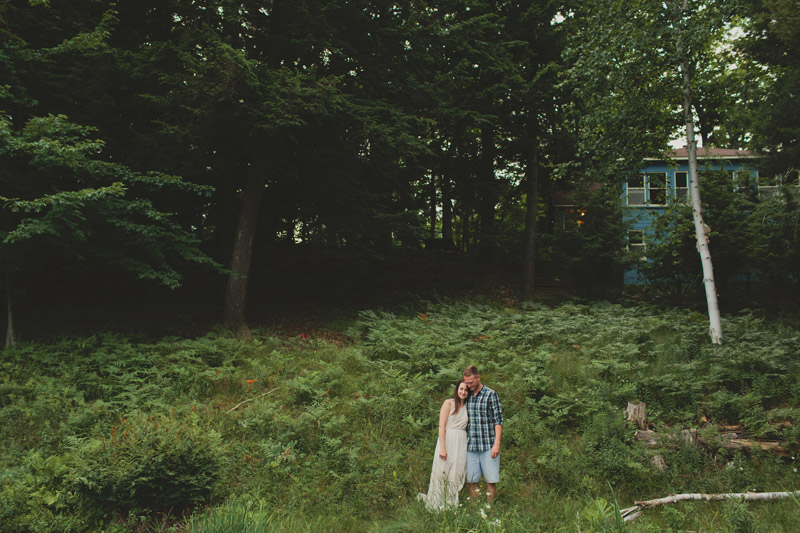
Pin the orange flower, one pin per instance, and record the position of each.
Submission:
(252, 380)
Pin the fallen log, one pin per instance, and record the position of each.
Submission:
(765, 445)
(631, 513)
(731, 441)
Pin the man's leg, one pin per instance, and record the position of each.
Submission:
(473, 473)
(473, 490)
(492, 488)
(490, 466)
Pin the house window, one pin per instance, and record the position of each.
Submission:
(636, 243)
(788, 182)
(648, 189)
(791, 182)
(573, 219)
(745, 181)
(768, 187)
(682, 186)
(657, 188)
(636, 190)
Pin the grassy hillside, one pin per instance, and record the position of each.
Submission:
(335, 429)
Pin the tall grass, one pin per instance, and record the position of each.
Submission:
(308, 433)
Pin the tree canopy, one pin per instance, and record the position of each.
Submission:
(143, 136)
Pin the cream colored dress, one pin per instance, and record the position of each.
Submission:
(447, 477)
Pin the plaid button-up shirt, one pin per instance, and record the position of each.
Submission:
(484, 413)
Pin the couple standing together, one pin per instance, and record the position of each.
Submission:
(470, 427)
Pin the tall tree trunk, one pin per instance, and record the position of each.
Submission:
(432, 206)
(226, 216)
(715, 324)
(531, 209)
(236, 293)
(10, 338)
(447, 207)
(487, 196)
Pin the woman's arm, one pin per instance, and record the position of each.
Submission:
(444, 414)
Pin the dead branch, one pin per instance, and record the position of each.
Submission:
(238, 405)
(731, 441)
(632, 513)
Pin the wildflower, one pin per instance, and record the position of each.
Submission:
(497, 523)
(483, 514)
(394, 473)
(303, 336)
(252, 380)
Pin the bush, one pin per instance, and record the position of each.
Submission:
(35, 497)
(151, 463)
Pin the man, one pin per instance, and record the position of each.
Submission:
(483, 434)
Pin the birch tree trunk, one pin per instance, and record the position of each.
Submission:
(631, 513)
(715, 324)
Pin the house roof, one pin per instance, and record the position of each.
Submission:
(703, 153)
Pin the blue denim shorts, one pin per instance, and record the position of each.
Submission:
(482, 463)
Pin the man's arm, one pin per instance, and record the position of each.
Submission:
(498, 432)
(497, 412)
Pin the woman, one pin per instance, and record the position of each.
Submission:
(450, 458)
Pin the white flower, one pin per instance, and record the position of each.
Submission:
(483, 514)
(497, 523)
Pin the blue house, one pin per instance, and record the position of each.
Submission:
(663, 182)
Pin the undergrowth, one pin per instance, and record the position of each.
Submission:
(302, 433)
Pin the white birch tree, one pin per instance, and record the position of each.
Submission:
(633, 64)
(681, 16)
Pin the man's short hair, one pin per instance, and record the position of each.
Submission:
(471, 371)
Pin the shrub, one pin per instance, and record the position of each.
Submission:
(151, 463)
(36, 496)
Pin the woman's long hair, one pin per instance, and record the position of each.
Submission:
(456, 400)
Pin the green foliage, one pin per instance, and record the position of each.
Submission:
(289, 431)
(152, 463)
(591, 251)
(740, 519)
(36, 496)
(82, 208)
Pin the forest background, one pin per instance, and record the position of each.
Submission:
(168, 166)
